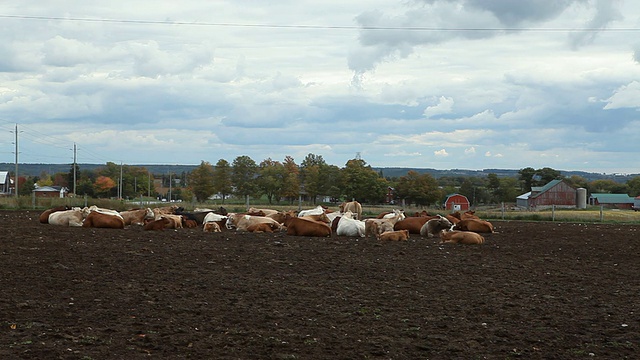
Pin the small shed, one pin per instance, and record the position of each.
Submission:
(554, 193)
(456, 202)
(50, 191)
(612, 201)
(5, 183)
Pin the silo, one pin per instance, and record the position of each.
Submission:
(581, 198)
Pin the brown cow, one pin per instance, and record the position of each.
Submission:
(301, 227)
(97, 219)
(44, 217)
(188, 223)
(479, 226)
(378, 226)
(157, 224)
(400, 235)
(412, 223)
(461, 237)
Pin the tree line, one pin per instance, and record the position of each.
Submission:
(312, 180)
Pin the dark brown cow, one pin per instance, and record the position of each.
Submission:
(157, 224)
(44, 217)
(101, 220)
(301, 227)
(412, 224)
(479, 226)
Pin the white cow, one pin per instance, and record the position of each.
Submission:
(72, 217)
(315, 211)
(348, 226)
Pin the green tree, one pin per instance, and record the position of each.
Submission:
(26, 187)
(291, 180)
(201, 181)
(634, 186)
(418, 189)
(270, 180)
(362, 183)
(244, 172)
(526, 178)
(222, 183)
(310, 175)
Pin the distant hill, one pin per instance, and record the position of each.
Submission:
(390, 172)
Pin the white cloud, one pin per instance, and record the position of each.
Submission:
(441, 152)
(400, 97)
(444, 106)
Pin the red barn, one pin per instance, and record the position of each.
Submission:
(556, 192)
(456, 202)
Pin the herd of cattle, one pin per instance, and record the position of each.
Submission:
(463, 228)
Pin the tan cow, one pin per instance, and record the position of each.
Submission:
(71, 217)
(377, 226)
(137, 216)
(211, 226)
(263, 227)
(242, 221)
(400, 235)
(352, 206)
(461, 237)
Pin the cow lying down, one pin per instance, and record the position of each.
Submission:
(460, 237)
(398, 235)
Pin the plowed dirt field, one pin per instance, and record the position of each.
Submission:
(534, 290)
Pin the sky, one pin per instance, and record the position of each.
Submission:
(444, 84)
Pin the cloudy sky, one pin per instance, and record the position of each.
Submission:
(469, 84)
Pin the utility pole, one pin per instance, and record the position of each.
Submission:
(16, 176)
(120, 187)
(170, 181)
(74, 169)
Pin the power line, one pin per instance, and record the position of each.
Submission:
(317, 27)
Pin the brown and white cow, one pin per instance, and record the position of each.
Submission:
(377, 226)
(44, 216)
(461, 237)
(412, 224)
(432, 227)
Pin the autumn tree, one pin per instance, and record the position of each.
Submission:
(103, 186)
(244, 172)
(201, 181)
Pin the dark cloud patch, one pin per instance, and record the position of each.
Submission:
(513, 13)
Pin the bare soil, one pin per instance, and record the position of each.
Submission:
(534, 290)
